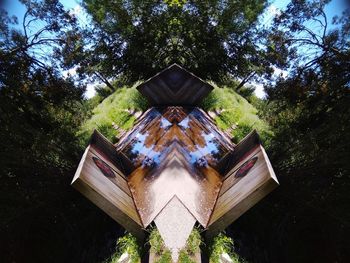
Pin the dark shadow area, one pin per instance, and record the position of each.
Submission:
(304, 220)
(46, 220)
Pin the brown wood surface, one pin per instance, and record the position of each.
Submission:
(175, 151)
(111, 194)
(174, 139)
(237, 195)
(152, 190)
(175, 86)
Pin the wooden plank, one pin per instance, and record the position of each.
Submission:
(230, 179)
(107, 149)
(174, 86)
(99, 178)
(238, 194)
(243, 148)
(119, 180)
(107, 187)
(109, 209)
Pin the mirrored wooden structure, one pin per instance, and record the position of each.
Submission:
(175, 168)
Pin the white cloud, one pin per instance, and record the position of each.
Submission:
(270, 13)
(273, 11)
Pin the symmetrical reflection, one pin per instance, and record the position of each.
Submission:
(190, 128)
(174, 152)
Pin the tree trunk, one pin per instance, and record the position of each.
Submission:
(104, 80)
(245, 80)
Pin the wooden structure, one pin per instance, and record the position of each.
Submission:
(175, 167)
(100, 178)
(174, 86)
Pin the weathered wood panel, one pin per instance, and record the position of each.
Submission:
(247, 182)
(175, 86)
(101, 181)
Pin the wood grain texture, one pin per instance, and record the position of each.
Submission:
(110, 193)
(237, 195)
(175, 86)
(175, 151)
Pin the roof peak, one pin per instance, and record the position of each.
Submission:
(175, 85)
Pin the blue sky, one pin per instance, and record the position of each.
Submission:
(335, 7)
(14, 7)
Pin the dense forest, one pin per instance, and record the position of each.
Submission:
(45, 118)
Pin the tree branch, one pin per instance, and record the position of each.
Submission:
(245, 80)
(104, 80)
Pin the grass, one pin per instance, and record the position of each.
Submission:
(220, 244)
(223, 244)
(164, 255)
(194, 241)
(158, 247)
(127, 243)
(111, 110)
(236, 111)
(185, 257)
(156, 242)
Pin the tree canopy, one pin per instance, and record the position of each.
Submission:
(133, 40)
(37, 105)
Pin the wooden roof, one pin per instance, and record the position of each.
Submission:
(174, 86)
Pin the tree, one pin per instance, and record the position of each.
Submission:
(309, 110)
(310, 106)
(133, 40)
(38, 107)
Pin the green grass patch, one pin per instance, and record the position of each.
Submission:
(164, 255)
(223, 244)
(156, 242)
(111, 110)
(236, 112)
(127, 243)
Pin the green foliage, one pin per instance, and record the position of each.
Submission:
(223, 244)
(157, 246)
(192, 246)
(40, 110)
(246, 92)
(133, 40)
(111, 110)
(128, 244)
(175, 2)
(236, 112)
(156, 242)
(103, 91)
(165, 257)
(184, 257)
(194, 241)
(309, 110)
